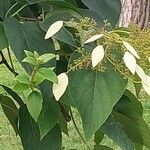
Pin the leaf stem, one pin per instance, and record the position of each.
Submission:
(79, 133)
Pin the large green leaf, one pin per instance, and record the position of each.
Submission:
(30, 135)
(113, 129)
(10, 110)
(94, 94)
(135, 127)
(3, 39)
(108, 10)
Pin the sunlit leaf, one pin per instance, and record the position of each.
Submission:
(45, 58)
(97, 55)
(60, 88)
(48, 74)
(28, 53)
(30, 60)
(34, 104)
(130, 62)
(53, 29)
(21, 86)
(94, 38)
(23, 78)
(131, 49)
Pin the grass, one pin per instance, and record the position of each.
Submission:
(9, 141)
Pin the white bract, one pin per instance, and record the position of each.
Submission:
(97, 55)
(131, 49)
(94, 38)
(60, 87)
(53, 29)
(130, 62)
(140, 72)
(144, 78)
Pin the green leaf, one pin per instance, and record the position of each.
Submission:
(15, 37)
(27, 36)
(48, 117)
(29, 54)
(4, 6)
(113, 129)
(102, 147)
(64, 118)
(34, 104)
(63, 124)
(16, 8)
(45, 58)
(21, 86)
(38, 79)
(48, 74)
(101, 7)
(30, 60)
(36, 55)
(93, 15)
(98, 137)
(94, 94)
(55, 15)
(30, 136)
(10, 110)
(3, 39)
(61, 4)
(138, 146)
(65, 36)
(135, 127)
(129, 103)
(23, 78)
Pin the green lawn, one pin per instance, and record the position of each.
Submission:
(9, 141)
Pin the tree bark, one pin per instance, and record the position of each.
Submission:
(135, 11)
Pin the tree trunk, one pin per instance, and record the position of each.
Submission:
(135, 11)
